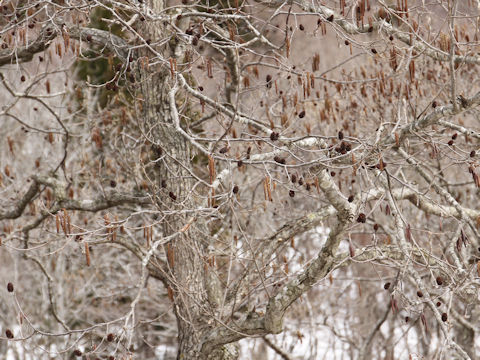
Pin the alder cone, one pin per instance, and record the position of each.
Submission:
(279, 160)
(274, 136)
(362, 218)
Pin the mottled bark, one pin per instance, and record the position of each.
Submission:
(465, 337)
(190, 279)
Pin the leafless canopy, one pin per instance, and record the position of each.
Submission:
(227, 179)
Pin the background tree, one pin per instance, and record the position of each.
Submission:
(189, 179)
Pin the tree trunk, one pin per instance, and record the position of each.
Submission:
(191, 282)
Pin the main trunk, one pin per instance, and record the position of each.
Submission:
(192, 284)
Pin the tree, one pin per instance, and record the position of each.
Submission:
(178, 177)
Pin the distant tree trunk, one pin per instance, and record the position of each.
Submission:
(465, 337)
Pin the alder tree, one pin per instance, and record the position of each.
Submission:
(239, 179)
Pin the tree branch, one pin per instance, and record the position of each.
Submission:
(25, 53)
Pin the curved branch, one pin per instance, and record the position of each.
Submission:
(316, 270)
(103, 202)
(112, 42)
(49, 32)
(26, 53)
(17, 210)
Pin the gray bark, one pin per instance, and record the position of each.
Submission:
(192, 280)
